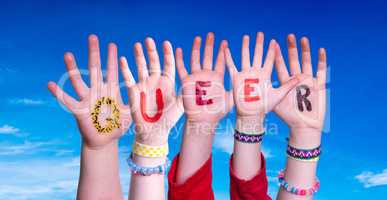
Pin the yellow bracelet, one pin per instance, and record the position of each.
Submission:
(150, 151)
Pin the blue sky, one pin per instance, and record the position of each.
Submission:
(40, 143)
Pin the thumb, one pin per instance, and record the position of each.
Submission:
(285, 89)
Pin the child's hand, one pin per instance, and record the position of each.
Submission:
(303, 109)
(155, 107)
(112, 124)
(204, 96)
(254, 95)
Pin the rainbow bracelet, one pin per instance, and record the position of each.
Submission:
(147, 171)
(303, 154)
(297, 191)
(248, 138)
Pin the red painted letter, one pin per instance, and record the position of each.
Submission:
(200, 93)
(249, 89)
(160, 106)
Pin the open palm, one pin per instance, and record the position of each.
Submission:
(252, 88)
(154, 105)
(204, 96)
(84, 109)
(308, 111)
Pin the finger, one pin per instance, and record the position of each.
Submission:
(280, 66)
(112, 64)
(169, 61)
(270, 57)
(208, 52)
(195, 55)
(75, 76)
(293, 55)
(94, 62)
(181, 70)
(154, 60)
(140, 62)
(126, 73)
(62, 96)
(284, 90)
(306, 58)
(245, 52)
(220, 62)
(230, 63)
(258, 51)
(322, 67)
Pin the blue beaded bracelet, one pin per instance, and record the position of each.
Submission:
(147, 171)
(297, 191)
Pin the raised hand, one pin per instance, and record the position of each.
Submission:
(98, 124)
(303, 109)
(254, 95)
(102, 118)
(204, 96)
(155, 107)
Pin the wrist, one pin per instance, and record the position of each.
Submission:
(111, 146)
(154, 136)
(149, 162)
(201, 127)
(250, 124)
(305, 138)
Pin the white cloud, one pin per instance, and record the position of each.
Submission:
(28, 148)
(7, 129)
(27, 101)
(224, 142)
(371, 179)
(45, 177)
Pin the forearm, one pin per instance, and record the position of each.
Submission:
(301, 174)
(246, 156)
(99, 175)
(196, 148)
(147, 187)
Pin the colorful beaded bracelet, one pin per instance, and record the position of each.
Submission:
(303, 154)
(248, 138)
(297, 191)
(147, 171)
(150, 151)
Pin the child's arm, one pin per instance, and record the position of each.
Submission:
(205, 103)
(99, 173)
(254, 96)
(155, 110)
(303, 109)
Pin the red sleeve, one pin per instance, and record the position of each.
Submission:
(253, 189)
(198, 186)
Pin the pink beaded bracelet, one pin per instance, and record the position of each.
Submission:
(297, 191)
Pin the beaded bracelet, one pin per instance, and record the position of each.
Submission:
(150, 151)
(303, 154)
(248, 138)
(297, 191)
(147, 171)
